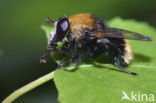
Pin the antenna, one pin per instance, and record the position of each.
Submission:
(49, 21)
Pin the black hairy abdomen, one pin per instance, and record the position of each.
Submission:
(112, 49)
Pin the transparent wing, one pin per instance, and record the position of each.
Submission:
(121, 34)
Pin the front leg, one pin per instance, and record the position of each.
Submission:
(61, 63)
(66, 49)
(63, 49)
(52, 48)
(75, 58)
(43, 58)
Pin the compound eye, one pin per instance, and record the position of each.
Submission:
(61, 29)
(64, 26)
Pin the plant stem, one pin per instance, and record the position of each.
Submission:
(28, 87)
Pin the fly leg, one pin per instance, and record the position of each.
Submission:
(65, 50)
(129, 72)
(61, 63)
(74, 58)
(43, 58)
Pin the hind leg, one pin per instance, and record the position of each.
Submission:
(125, 70)
(116, 51)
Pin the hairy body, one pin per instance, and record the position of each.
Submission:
(88, 34)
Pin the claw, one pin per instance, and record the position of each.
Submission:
(43, 60)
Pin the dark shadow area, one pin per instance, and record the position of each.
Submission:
(96, 62)
(141, 57)
(99, 67)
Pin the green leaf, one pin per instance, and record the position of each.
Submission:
(47, 30)
(104, 83)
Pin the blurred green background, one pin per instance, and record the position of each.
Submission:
(22, 41)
